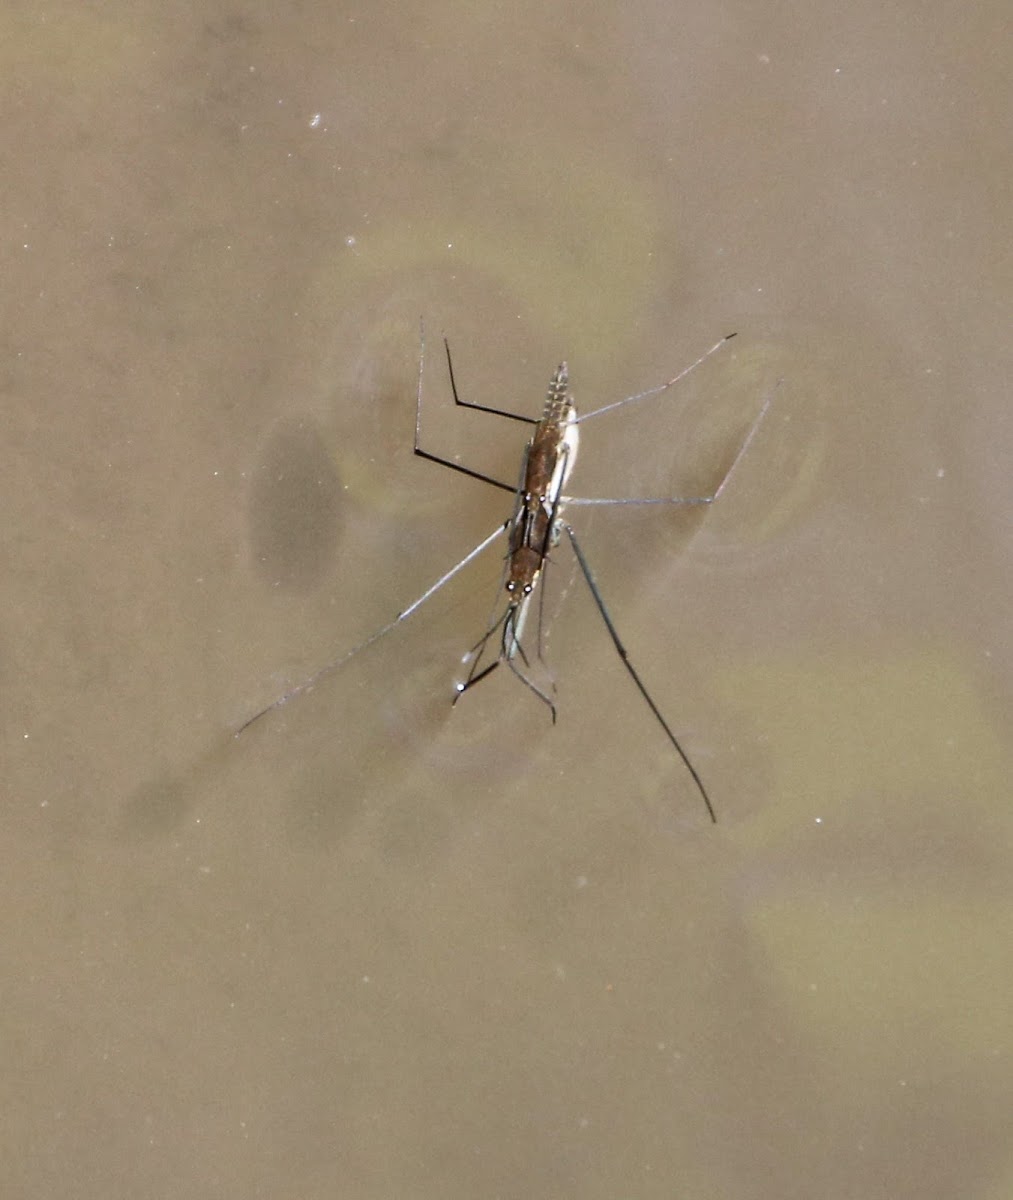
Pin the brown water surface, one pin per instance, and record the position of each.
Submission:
(378, 947)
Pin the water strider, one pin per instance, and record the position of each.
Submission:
(535, 527)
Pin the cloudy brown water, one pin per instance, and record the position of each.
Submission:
(378, 947)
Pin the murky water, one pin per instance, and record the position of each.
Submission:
(378, 947)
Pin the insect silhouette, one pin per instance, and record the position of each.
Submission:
(534, 529)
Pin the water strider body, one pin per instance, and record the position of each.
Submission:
(534, 529)
(535, 526)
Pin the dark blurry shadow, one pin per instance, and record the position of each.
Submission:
(294, 507)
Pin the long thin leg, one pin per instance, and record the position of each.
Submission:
(588, 500)
(510, 650)
(663, 387)
(375, 637)
(512, 630)
(530, 684)
(475, 655)
(496, 619)
(447, 462)
(496, 412)
(639, 500)
(542, 589)
(621, 649)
